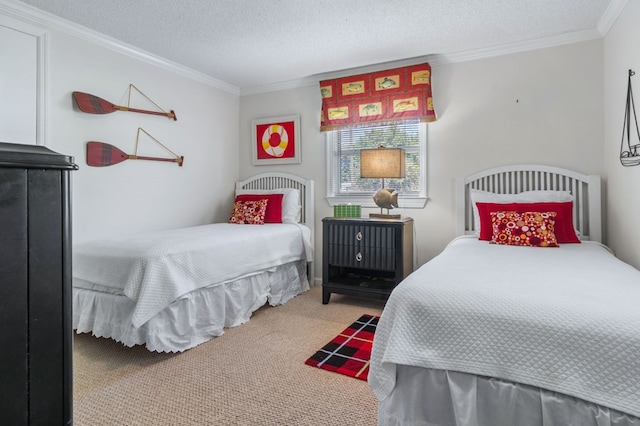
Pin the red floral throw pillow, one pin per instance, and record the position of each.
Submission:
(524, 229)
(563, 226)
(273, 214)
(249, 212)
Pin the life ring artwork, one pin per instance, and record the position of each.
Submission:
(276, 140)
(630, 151)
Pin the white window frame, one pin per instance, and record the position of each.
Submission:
(404, 201)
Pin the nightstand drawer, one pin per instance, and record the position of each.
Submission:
(361, 235)
(377, 258)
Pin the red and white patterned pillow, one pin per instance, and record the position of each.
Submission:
(273, 213)
(562, 227)
(534, 229)
(249, 212)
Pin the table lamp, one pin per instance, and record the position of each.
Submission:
(383, 163)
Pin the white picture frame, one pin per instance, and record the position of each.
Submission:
(276, 140)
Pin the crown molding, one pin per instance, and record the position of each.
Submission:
(34, 16)
(518, 47)
(610, 15)
(31, 15)
(436, 59)
(314, 79)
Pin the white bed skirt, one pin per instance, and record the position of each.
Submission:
(194, 318)
(430, 397)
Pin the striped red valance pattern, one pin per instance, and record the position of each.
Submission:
(393, 96)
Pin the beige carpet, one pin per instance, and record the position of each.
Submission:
(252, 375)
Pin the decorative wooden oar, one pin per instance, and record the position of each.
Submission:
(100, 154)
(94, 105)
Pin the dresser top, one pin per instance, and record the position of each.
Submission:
(367, 220)
(33, 156)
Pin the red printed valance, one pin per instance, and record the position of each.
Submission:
(382, 97)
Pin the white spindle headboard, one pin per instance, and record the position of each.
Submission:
(285, 180)
(587, 216)
(276, 180)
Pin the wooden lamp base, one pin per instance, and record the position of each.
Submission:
(384, 216)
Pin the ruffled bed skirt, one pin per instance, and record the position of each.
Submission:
(444, 398)
(194, 318)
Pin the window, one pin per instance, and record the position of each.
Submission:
(344, 184)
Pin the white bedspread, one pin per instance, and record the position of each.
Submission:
(156, 268)
(564, 319)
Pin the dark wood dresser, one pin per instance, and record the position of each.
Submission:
(365, 257)
(35, 286)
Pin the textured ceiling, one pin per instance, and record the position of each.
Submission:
(250, 43)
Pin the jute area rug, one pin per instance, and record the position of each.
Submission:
(254, 374)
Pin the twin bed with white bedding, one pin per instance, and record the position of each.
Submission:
(513, 334)
(172, 290)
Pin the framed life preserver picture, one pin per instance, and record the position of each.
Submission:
(276, 140)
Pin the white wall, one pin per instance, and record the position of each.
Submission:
(543, 106)
(305, 101)
(18, 84)
(622, 194)
(136, 195)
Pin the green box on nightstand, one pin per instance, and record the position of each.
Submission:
(346, 210)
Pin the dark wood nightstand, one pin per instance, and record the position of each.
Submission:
(365, 257)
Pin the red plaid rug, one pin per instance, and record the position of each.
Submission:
(349, 352)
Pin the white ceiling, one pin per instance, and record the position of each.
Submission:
(253, 43)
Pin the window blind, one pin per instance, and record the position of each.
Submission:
(347, 145)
